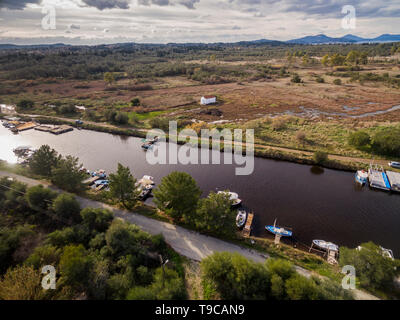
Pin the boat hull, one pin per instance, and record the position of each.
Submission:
(279, 231)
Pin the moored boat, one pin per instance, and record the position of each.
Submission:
(279, 230)
(361, 177)
(326, 245)
(234, 197)
(241, 218)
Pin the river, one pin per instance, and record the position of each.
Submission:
(316, 203)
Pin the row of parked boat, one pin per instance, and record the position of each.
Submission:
(148, 144)
(378, 178)
(98, 181)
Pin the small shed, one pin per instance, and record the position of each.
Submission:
(208, 100)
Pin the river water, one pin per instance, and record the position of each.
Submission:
(316, 203)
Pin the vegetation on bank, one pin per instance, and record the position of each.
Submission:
(95, 255)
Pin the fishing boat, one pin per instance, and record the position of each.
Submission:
(325, 245)
(394, 164)
(241, 218)
(279, 230)
(101, 174)
(234, 197)
(101, 182)
(361, 177)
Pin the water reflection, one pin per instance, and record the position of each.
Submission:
(316, 170)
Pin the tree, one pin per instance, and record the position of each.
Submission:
(359, 139)
(123, 238)
(235, 277)
(337, 59)
(353, 57)
(66, 207)
(67, 174)
(337, 82)
(320, 157)
(25, 104)
(325, 60)
(44, 160)
(40, 198)
(135, 102)
(387, 142)
(21, 283)
(177, 195)
(97, 219)
(121, 118)
(373, 269)
(109, 77)
(75, 265)
(44, 255)
(214, 214)
(296, 78)
(123, 186)
(301, 137)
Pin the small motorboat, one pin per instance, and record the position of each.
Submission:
(147, 146)
(144, 194)
(99, 182)
(234, 197)
(146, 183)
(279, 230)
(325, 245)
(394, 164)
(241, 218)
(361, 177)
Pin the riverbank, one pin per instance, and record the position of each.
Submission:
(299, 156)
(196, 246)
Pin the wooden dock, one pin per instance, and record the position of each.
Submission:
(91, 180)
(26, 126)
(247, 227)
(61, 129)
(394, 179)
(44, 128)
(378, 179)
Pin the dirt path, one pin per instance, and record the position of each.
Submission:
(188, 243)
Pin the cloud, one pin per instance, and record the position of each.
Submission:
(108, 4)
(325, 8)
(16, 4)
(187, 3)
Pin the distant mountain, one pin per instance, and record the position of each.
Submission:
(349, 38)
(318, 39)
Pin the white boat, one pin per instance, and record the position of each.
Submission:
(234, 197)
(394, 164)
(361, 177)
(326, 245)
(241, 218)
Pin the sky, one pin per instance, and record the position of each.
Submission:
(180, 21)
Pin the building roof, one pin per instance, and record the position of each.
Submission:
(209, 97)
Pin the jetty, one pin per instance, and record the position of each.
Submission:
(91, 180)
(378, 179)
(44, 128)
(248, 225)
(61, 129)
(26, 126)
(394, 180)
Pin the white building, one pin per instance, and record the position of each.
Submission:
(208, 100)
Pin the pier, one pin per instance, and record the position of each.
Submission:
(378, 179)
(394, 180)
(90, 180)
(247, 227)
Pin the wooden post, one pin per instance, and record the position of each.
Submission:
(277, 238)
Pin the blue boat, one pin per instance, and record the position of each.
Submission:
(279, 230)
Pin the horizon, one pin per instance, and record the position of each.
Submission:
(96, 22)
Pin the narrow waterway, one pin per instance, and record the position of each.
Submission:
(316, 203)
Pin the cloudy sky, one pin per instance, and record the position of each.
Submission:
(163, 21)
